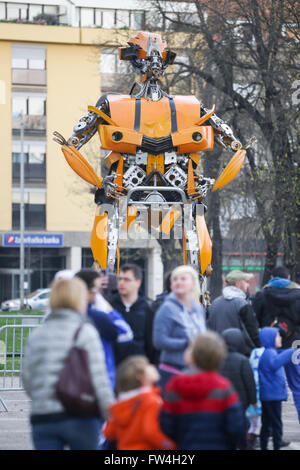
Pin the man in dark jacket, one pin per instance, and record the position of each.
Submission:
(278, 304)
(232, 310)
(137, 312)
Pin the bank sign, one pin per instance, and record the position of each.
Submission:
(35, 240)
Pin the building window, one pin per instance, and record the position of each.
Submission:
(108, 19)
(29, 103)
(122, 19)
(87, 259)
(2, 11)
(86, 17)
(28, 65)
(26, 11)
(35, 216)
(33, 107)
(110, 62)
(111, 18)
(16, 11)
(34, 162)
(112, 69)
(34, 208)
(34, 10)
(29, 57)
(137, 19)
(154, 20)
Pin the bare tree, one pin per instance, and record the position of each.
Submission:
(249, 52)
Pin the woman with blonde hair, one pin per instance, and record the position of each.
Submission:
(46, 352)
(179, 319)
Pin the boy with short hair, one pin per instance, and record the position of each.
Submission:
(134, 419)
(201, 410)
(272, 385)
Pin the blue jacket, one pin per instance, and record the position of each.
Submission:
(272, 380)
(112, 329)
(174, 328)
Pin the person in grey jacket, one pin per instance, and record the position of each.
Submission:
(179, 319)
(232, 310)
(45, 354)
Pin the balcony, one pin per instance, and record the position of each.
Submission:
(33, 125)
(29, 77)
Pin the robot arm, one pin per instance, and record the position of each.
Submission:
(87, 126)
(223, 133)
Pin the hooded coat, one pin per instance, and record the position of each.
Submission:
(201, 411)
(279, 302)
(237, 368)
(272, 380)
(134, 421)
(232, 310)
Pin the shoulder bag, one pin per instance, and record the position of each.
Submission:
(74, 388)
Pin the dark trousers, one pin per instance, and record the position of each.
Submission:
(74, 433)
(271, 424)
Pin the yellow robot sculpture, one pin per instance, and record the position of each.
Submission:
(153, 141)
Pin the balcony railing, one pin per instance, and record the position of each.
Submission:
(32, 123)
(29, 77)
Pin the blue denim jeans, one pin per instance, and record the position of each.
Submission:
(73, 433)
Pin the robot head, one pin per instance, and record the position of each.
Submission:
(147, 54)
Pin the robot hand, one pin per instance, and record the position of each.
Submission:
(59, 138)
(236, 145)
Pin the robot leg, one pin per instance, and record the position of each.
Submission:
(104, 238)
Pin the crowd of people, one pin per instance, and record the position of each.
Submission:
(169, 374)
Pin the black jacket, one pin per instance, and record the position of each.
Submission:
(282, 306)
(140, 318)
(237, 369)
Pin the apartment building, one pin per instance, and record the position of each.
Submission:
(57, 57)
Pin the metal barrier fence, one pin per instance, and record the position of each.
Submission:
(14, 331)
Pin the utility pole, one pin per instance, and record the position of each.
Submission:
(22, 218)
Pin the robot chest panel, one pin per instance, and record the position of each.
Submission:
(154, 119)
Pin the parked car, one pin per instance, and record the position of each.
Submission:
(37, 300)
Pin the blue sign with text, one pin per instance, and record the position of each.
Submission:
(35, 240)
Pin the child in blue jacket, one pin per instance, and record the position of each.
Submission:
(272, 385)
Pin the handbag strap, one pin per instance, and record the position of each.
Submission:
(76, 334)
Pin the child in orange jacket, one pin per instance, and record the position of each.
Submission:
(134, 419)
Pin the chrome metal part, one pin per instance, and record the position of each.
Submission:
(176, 176)
(141, 158)
(133, 176)
(170, 157)
(161, 189)
(113, 235)
(155, 197)
(204, 185)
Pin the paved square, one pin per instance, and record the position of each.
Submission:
(15, 427)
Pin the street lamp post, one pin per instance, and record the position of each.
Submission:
(22, 218)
